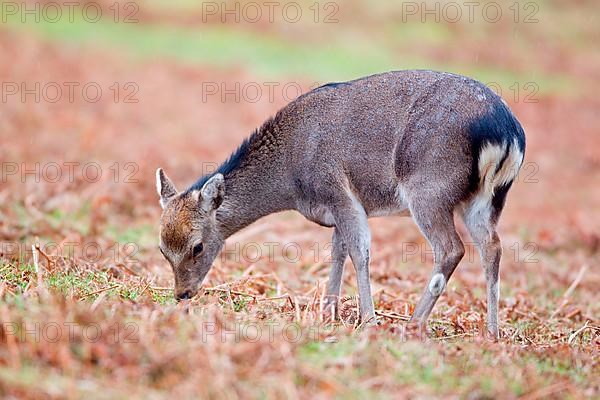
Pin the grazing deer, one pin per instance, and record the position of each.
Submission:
(418, 143)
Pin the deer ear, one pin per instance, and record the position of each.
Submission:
(212, 193)
(165, 188)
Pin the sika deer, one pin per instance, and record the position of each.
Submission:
(418, 143)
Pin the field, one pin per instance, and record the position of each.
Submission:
(91, 109)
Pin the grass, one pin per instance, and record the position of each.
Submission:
(327, 358)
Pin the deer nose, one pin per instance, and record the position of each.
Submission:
(187, 294)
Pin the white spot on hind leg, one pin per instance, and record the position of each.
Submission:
(437, 284)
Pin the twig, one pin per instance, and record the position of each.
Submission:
(573, 313)
(26, 288)
(127, 269)
(227, 290)
(454, 336)
(7, 266)
(531, 314)
(38, 270)
(248, 270)
(316, 295)
(289, 296)
(242, 280)
(570, 290)
(36, 258)
(393, 315)
(297, 309)
(357, 320)
(280, 284)
(547, 391)
(231, 304)
(286, 296)
(48, 260)
(321, 302)
(97, 302)
(101, 290)
(147, 286)
(578, 331)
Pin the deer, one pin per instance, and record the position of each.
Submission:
(418, 143)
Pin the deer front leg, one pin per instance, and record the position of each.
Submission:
(339, 253)
(351, 221)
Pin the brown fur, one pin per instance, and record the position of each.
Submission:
(176, 223)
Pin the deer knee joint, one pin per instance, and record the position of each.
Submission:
(437, 284)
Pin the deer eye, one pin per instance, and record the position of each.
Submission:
(197, 250)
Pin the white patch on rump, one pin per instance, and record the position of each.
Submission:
(489, 159)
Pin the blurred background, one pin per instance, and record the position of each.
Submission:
(97, 94)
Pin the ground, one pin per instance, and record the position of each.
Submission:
(94, 315)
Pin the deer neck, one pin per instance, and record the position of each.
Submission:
(248, 199)
(255, 180)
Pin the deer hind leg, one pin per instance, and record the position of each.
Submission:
(437, 225)
(339, 253)
(481, 218)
